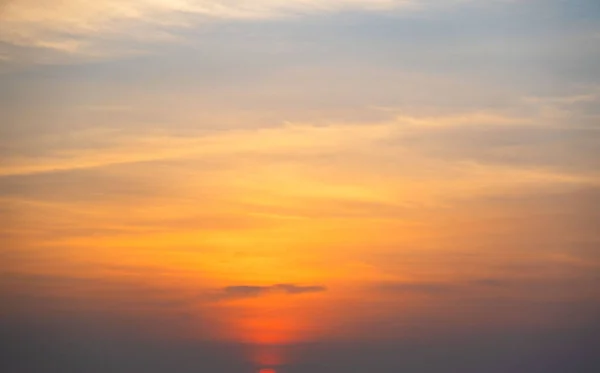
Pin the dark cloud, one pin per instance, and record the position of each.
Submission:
(440, 288)
(424, 288)
(247, 291)
(294, 289)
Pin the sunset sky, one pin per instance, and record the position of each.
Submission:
(302, 186)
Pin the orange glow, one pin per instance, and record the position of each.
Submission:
(267, 371)
(269, 329)
(268, 355)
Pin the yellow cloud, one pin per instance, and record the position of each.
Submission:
(288, 138)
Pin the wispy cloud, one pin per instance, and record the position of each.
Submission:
(444, 288)
(290, 137)
(250, 291)
(72, 26)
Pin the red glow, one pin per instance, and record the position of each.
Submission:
(265, 355)
(267, 371)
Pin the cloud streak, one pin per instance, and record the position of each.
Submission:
(71, 26)
(252, 291)
(299, 137)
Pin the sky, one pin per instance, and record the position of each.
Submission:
(269, 186)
